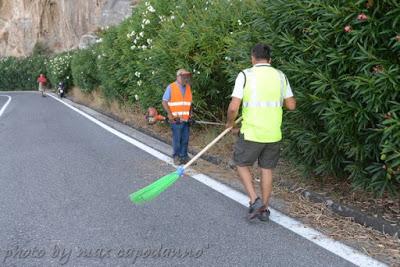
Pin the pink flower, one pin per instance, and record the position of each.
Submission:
(362, 17)
(348, 28)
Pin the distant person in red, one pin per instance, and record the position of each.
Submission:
(42, 83)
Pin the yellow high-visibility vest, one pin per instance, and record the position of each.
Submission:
(262, 104)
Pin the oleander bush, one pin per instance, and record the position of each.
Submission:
(84, 69)
(59, 69)
(21, 73)
(141, 56)
(342, 58)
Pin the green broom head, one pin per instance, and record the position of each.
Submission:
(154, 189)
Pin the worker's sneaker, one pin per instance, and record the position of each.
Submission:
(254, 209)
(263, 214)
(177, 161)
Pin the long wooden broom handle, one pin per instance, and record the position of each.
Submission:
(210, 145)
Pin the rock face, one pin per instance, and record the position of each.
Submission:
(58, 24)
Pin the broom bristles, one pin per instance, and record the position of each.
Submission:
(154, 189)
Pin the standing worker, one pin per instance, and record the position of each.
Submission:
(42, 83)
(177, 102)
(263, 90)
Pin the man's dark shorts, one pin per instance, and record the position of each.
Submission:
(247, 152)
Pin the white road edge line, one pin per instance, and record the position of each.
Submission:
(341, 250)
(5, 105)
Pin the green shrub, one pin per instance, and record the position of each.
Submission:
(342, 60)
(21, 73)
(141, 56)
(84, 69)
(41, 49)
(59, 69)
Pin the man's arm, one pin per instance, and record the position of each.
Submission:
(165, 99)
(233, 111)
(166, 108)
(237, 96)
(289, 101)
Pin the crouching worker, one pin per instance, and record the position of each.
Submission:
(177, 102)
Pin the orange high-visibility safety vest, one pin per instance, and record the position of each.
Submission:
(180, 104)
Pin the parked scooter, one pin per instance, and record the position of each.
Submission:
(61, 89)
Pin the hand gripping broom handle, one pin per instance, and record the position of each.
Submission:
(210, 145)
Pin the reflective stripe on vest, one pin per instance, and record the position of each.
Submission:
(255, 104)
(183, 103)
(262, 104)
(180, 113)
(180, 104)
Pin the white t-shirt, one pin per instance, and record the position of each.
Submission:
(238, 91)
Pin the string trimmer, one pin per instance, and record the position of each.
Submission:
(153, 117)
(153, 190)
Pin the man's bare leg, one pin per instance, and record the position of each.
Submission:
(245, 175)
(266, 185)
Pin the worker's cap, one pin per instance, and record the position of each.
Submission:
(183, 72)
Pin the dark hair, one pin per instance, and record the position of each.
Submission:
(261, 51)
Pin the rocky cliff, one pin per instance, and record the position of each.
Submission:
(59, 24)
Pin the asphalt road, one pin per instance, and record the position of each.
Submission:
(64, 187)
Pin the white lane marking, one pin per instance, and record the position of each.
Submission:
(5, 105)
(293, 225)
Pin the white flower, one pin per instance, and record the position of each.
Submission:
(67, 77)
(239, 22)
(153, 72)
(151, 9)
(149, 41)
(147, 3)
(183, 25)
(141, 34)
(133, 47)
(144, 47)
(137, 74)
(172, 17)
(227, 58)
(139, 82)
(137, 97)
(135, 41)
